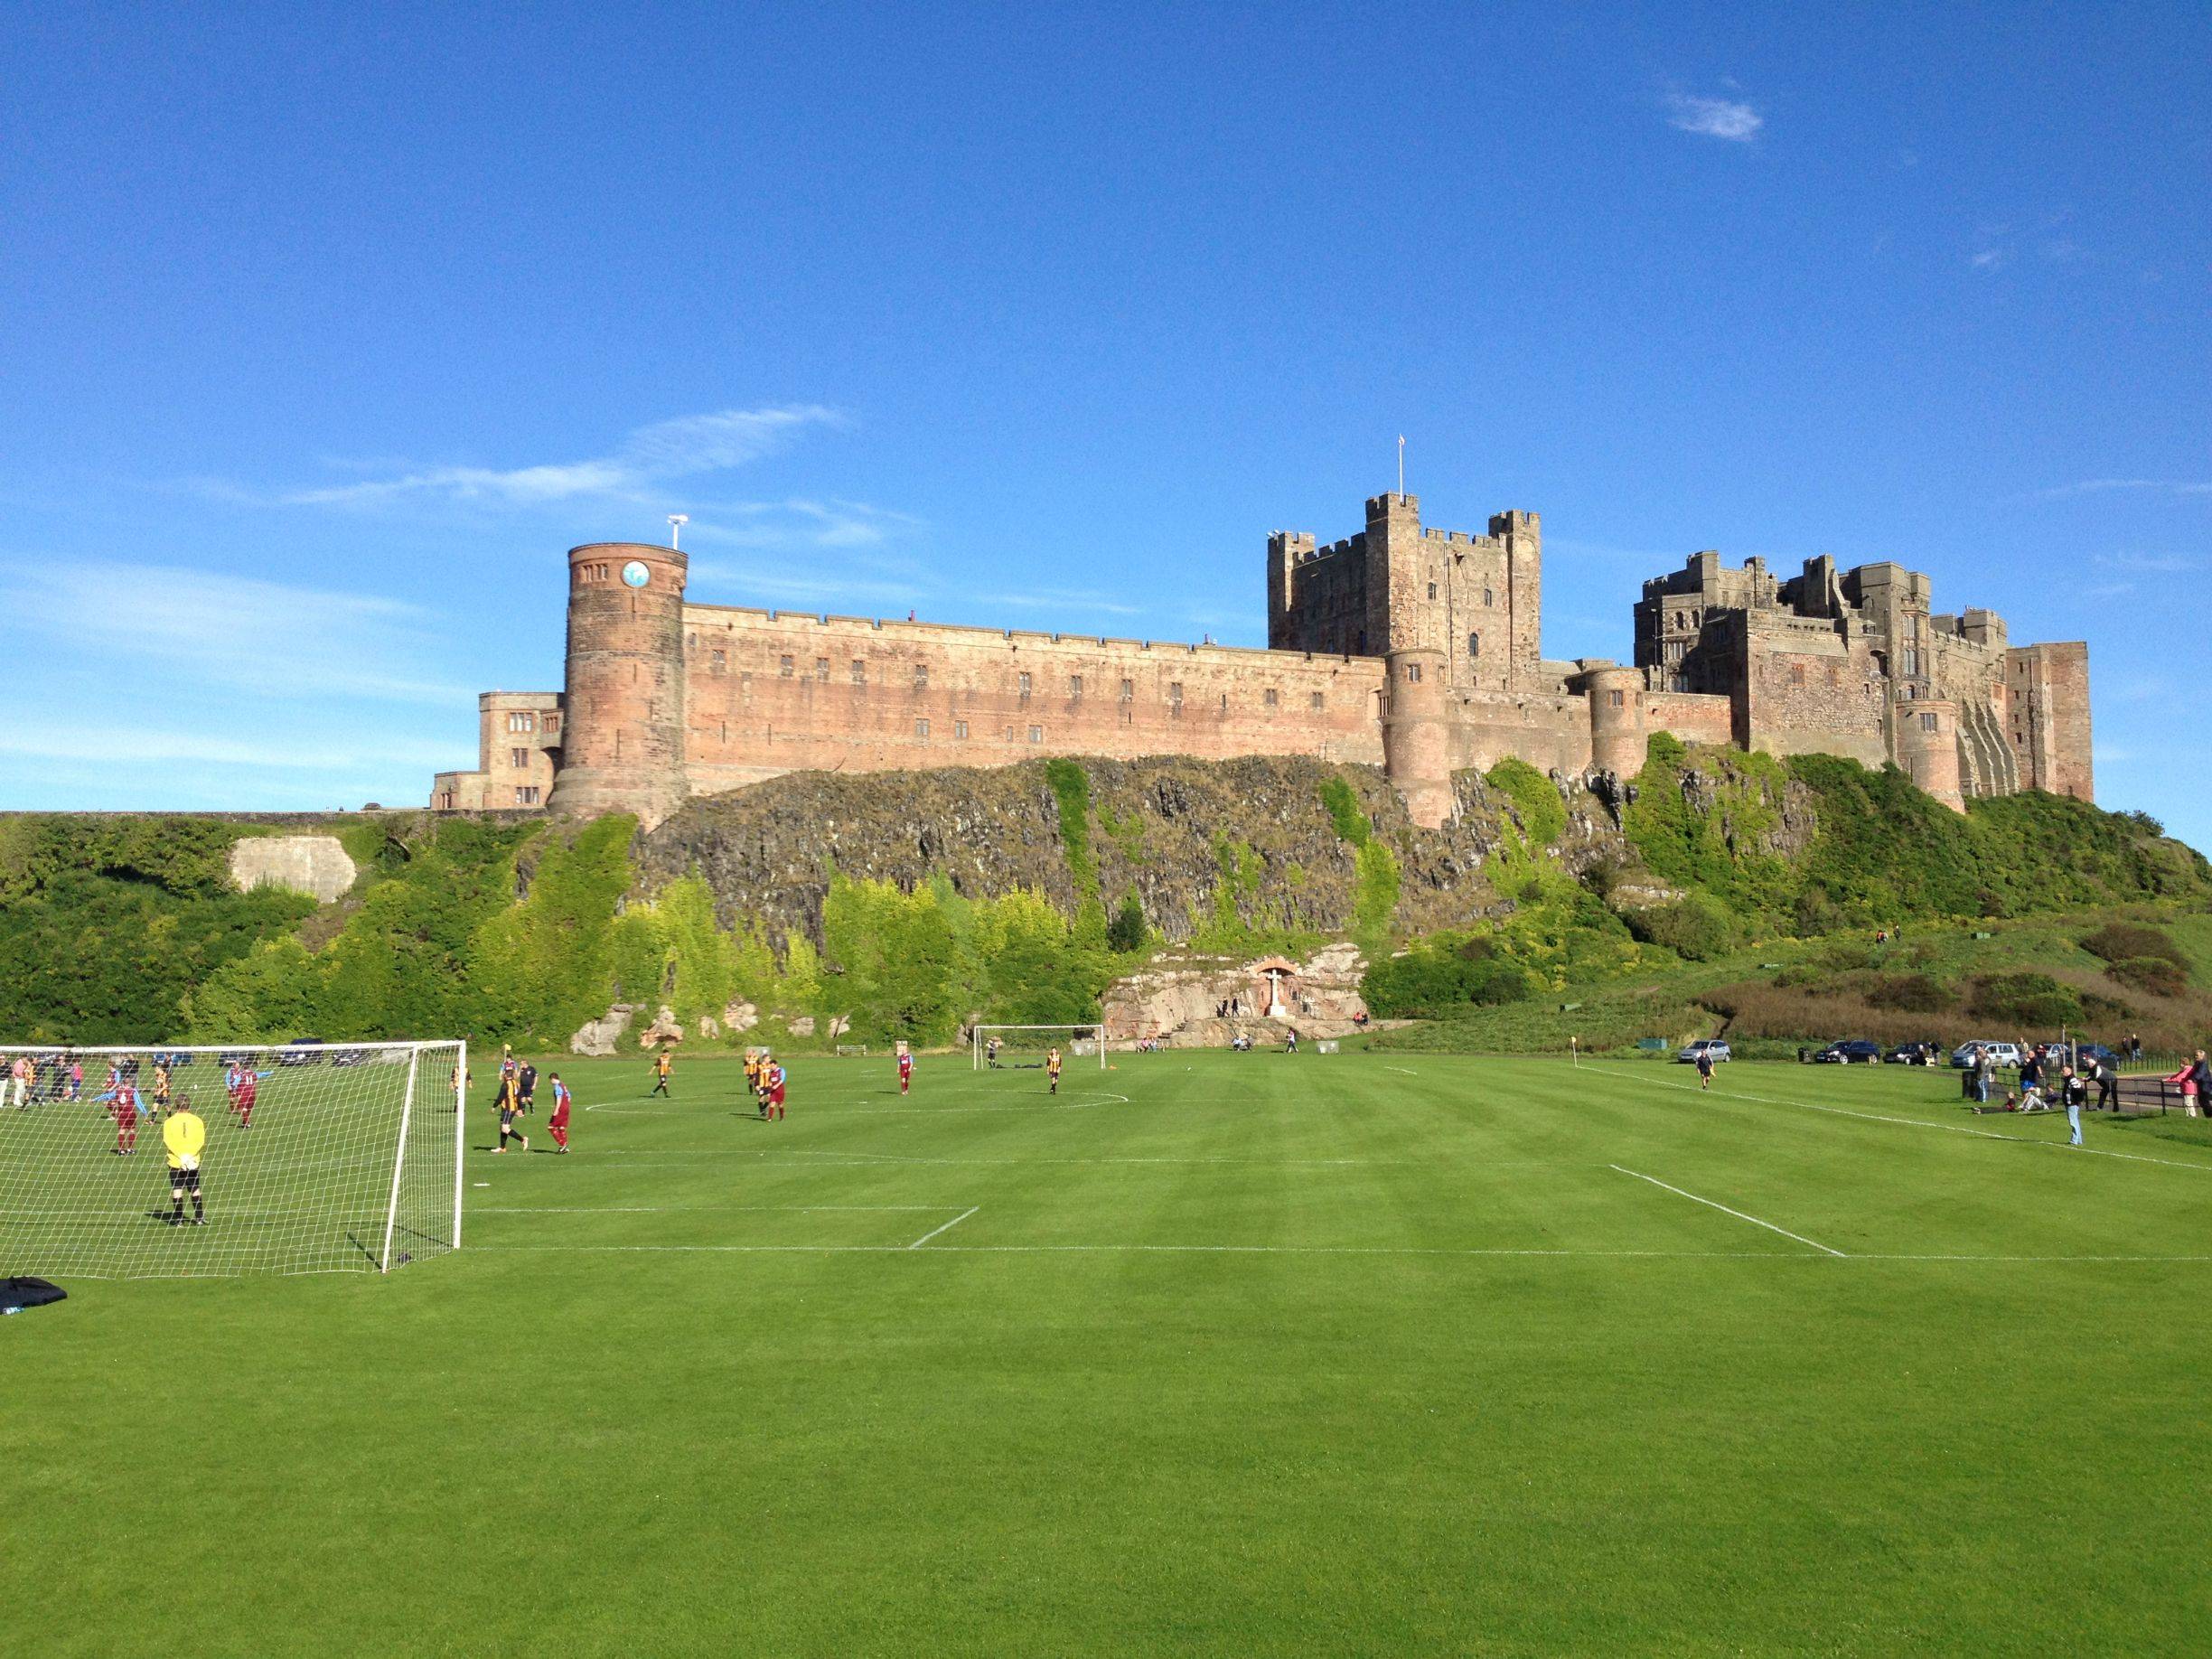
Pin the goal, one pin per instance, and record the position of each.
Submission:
(319, 1157)
(1026, 1045)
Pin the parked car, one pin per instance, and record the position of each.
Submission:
(2095, 1050)
(301, 1050)
(349, 1056)
(1854, 1051)
(2003, 1054)
(1715, 1047)
(1913, 1054)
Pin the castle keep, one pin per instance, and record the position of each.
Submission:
(1415, 649)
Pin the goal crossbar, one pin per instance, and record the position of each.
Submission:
(315, 1157)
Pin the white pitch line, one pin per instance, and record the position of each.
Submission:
(947, 1227)
(1714, 1203)
(1302, 1250)
(893, 1157)
(1949, 1128)
(701, 1209)
(1401, 1068)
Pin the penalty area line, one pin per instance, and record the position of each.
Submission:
(947, 1227)
(1299, 1249)
(1738, 1215)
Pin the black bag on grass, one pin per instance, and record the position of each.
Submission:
(17, 1294)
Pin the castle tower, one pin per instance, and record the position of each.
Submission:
(1523, 534)
(1417, 739)
(1617, 735)
(1927, 746)
(1401, 579)
(624, 747)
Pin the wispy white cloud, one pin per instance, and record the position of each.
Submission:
(1066, 599)
(796, 523)
(2098, 486)
(136, 746)
(195, 628)
(1990, 259)
(688, 448)
(2150, 564)
(1714, 117)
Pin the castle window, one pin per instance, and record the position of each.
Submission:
(525, 794)
(860, 672)
(552, 724)
(821, 667)
(1432, 590)
(1413, 673)
(920, 728)
(523, 722)
(1796, 674)
(1175, 693)
(1928, 723)
(1614, 699)
(518, 758)
(1488, 598)
(959, 729)
(1129, 690)
(1910, 657)
(1075, 685)
(1036, 733)
(786, 669)
(1268, 696)
(1318, 701)
(1474, 644)
(719, 661)
(1224, 702)
(1021, 684)
(921, 676)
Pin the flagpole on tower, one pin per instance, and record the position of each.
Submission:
(1402, 464)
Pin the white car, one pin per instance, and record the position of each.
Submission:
(2003, 1054)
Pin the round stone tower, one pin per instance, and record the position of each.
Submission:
(1927, 746)
(623, 750)
(1416, 737)
(1617, 719)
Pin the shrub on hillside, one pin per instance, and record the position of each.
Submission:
(2031, 1000)
(2158, 975)
(1126, 932)
(1695, 927)
(1910, 993)
(2116, 942)
(1427, 982)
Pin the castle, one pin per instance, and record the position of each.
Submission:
(1415, 649)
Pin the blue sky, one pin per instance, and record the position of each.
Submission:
(326, 331)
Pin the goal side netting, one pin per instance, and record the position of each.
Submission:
(318, 1157)
(1028, 1045)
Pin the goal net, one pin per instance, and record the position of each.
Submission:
(1028, 1045)
(317, 1158)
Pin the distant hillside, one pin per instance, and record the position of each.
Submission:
(902, 904)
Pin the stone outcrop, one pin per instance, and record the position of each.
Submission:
(602, 1036)
(1188, 999)
(666, 1028)
(315, 865)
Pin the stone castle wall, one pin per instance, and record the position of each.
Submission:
(1403, 646)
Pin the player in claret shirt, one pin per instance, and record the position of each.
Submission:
(123, 1106)
(771, 1103)
(557, 1122)
(905, 1068)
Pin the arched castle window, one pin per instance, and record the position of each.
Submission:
(1489, 599)
(1475, 644)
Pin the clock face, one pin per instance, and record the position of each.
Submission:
(635, 574)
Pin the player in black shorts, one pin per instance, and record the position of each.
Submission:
(510, 1107)
(526, 1086)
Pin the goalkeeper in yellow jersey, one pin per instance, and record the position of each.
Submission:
(184, 1134)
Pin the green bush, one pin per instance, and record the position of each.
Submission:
(2116, 942)
(1127, 932)
(1430, 980)
(1696, 927)
(2158, 975)
(1535, 799)
(2034, 1001)
(1911, 993)
(1344, 812)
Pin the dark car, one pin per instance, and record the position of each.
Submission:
(301, 1050)
(2097, 1052)
(1911, 1053)
(349, 1056)
(1858, 1051)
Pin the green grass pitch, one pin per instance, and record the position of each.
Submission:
(1214, 1354)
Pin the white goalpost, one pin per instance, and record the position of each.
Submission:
(1026, 1045)
(317, 1157)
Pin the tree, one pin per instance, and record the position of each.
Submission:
(1126, 933)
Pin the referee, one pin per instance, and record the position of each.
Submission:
(184, 1134)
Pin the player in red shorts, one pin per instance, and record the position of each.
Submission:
(773, 1106)
(124, 1106)
(249, 1087)
(905, 1068)
(558, 1122)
